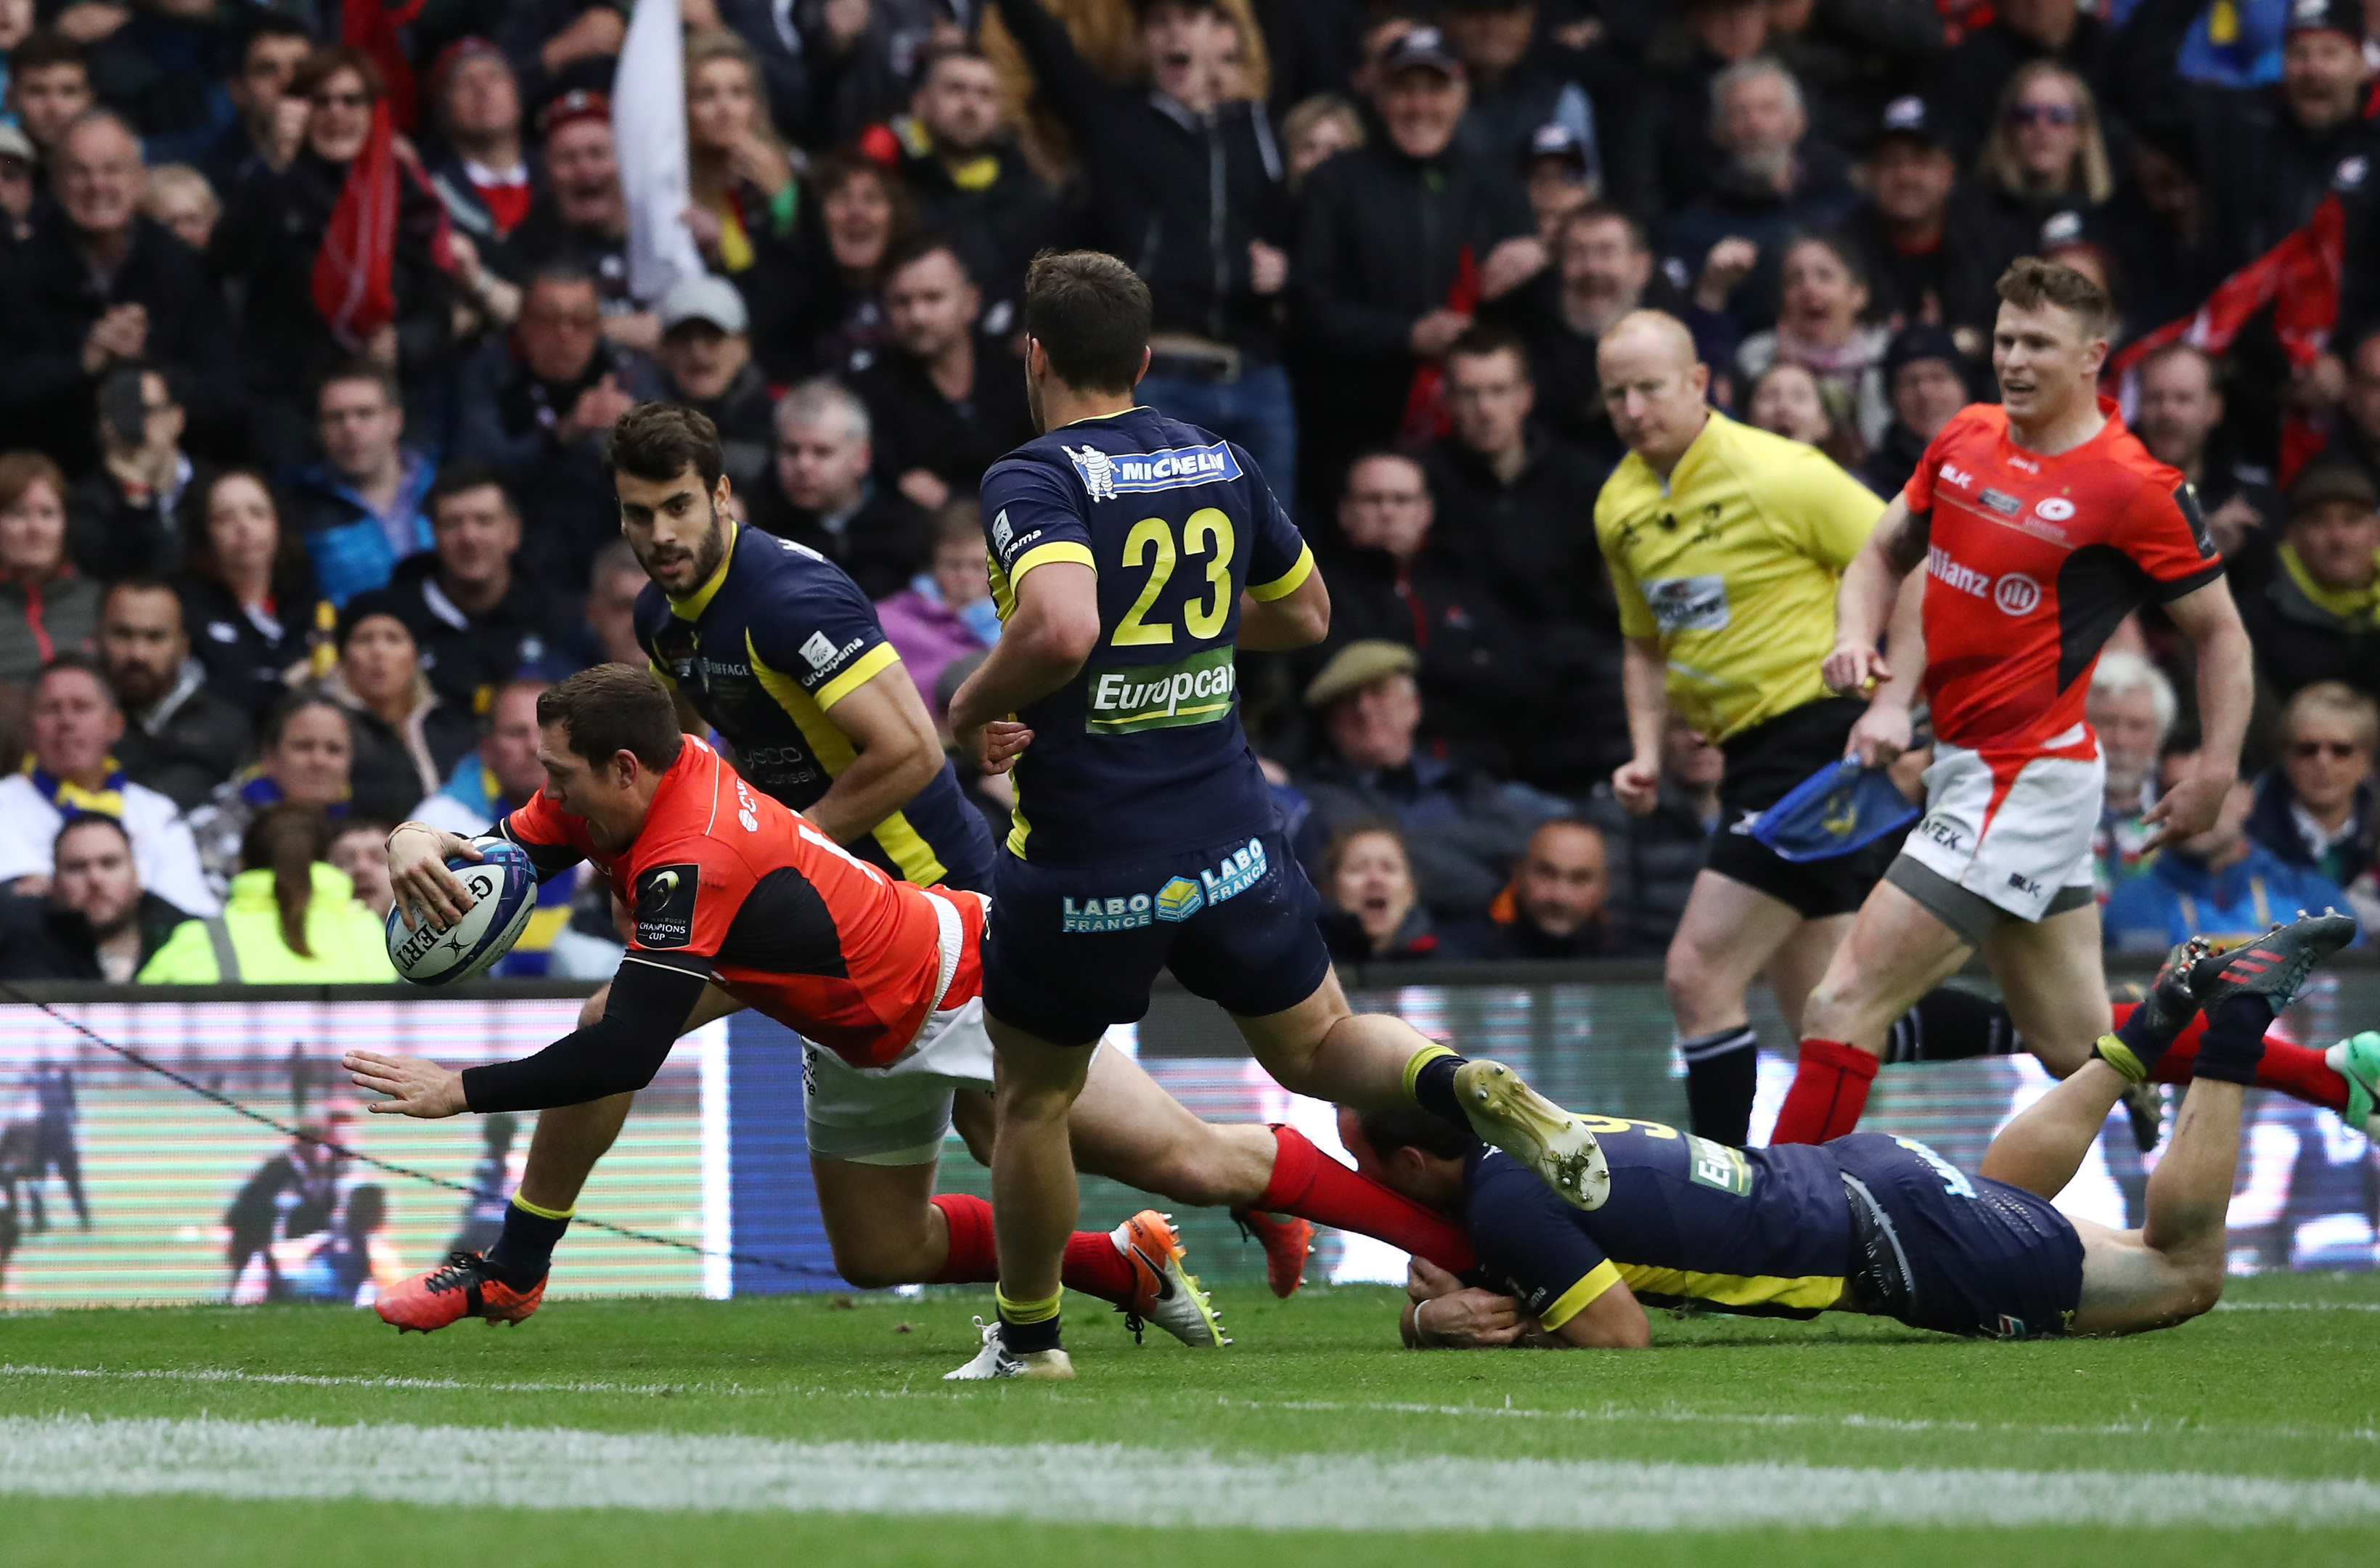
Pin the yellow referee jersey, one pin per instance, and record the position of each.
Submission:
(1733, 565)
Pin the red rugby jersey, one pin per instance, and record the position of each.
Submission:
(726, 880)
(2032, 562)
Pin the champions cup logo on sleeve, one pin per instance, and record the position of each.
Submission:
(1107, 475)
(1198, 690)
(665, 905)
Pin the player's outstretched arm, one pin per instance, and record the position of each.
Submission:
(1054, 628)
(1864, 602)
(2226, 692)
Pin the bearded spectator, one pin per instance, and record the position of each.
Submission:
(99, 285)
(970, 182)
(1678, 155)
(96, 922)
(947, 400)
(181, 738)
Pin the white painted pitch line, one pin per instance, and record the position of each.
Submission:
(1607, 1414)
(550, 1468)
(2297, 1307)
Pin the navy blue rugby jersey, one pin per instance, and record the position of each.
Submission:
(1764, 1232)
(775, 639)
(1141, 754)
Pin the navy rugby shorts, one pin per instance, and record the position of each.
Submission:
(1944, 1249)
(1069, 949)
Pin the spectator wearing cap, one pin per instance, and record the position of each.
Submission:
(476, 617)
(946, 614)
(2178, 415)
(1399, 582)
(99, 285)
(49, 86)
(266, 123)
(269, 241)
(537, 403)
(46, 608)
(1926, 379)
(408, 737)
(579, 220)
(1927, 248)
(1464, 828)
(2318, 808)
(1776, 180)
(1823, 326)
(2310, 599)
(1557, 904)
(946, 400)
(1560, 180)
(1381, 283)
(96, 922)
(125, 516)
(706, 361)
(74, 724)
(960, 161)
(821, 491)
(481, 172)
(1523, 81)
(1186, 180)
(181, 738)
(16, 167)
(360, 509)
(2265, 157)
(1508, 503)
(1968, 83)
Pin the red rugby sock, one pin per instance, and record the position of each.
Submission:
(1828, 1093)
(1309, 1183)
(2297, 1071)
(1092, 1266)
(974, 1258)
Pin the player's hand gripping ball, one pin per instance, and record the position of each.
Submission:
(501, 887)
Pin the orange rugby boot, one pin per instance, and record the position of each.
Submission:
(463, 1287)
(1286, 1240)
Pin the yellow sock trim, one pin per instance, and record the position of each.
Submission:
(2118, 1055)
(1023, 1312)
(1422, 1058)
(526, 1206)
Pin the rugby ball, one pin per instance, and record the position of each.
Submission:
(504, 895)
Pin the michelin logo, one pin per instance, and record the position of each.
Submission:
(1109, 474)
(1105, 914)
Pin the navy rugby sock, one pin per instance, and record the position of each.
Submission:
(1432, 1084)
(525, 1251)
(2233, 1046)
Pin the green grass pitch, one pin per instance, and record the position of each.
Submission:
(1938, 1450)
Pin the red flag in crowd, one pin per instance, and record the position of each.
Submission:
(354, 285)
(373, 27)
(2300, 278)
(1426, 418)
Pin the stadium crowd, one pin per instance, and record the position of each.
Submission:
(314, 318)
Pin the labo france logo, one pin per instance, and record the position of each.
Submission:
(1180, 898)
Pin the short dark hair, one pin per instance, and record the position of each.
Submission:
(361, 370)
(2030, 282)
(937, 53)
(912, 249)
(1091, 314)
(1409, 1126)
(614, 708)
(45, 47)
(453, 482)
(329, 61)
(70, 663)
(142, 582)
(656, 441)
(271, 24)
(1609, 213)
(1483, 338)
(276, 723)
(84, 819)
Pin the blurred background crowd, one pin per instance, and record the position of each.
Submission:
(314, 317)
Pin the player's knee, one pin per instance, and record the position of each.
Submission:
(877, 1262)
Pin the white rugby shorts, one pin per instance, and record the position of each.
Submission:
(2014, 830)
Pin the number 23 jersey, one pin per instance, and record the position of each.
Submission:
(1141, 753)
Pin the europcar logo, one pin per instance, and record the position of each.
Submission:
(1241, 870)
(1105, 914)
(1180, 899)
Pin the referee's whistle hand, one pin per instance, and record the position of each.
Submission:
(1850, 670)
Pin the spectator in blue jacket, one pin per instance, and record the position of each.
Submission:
(360, 510)
(2221, 884)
